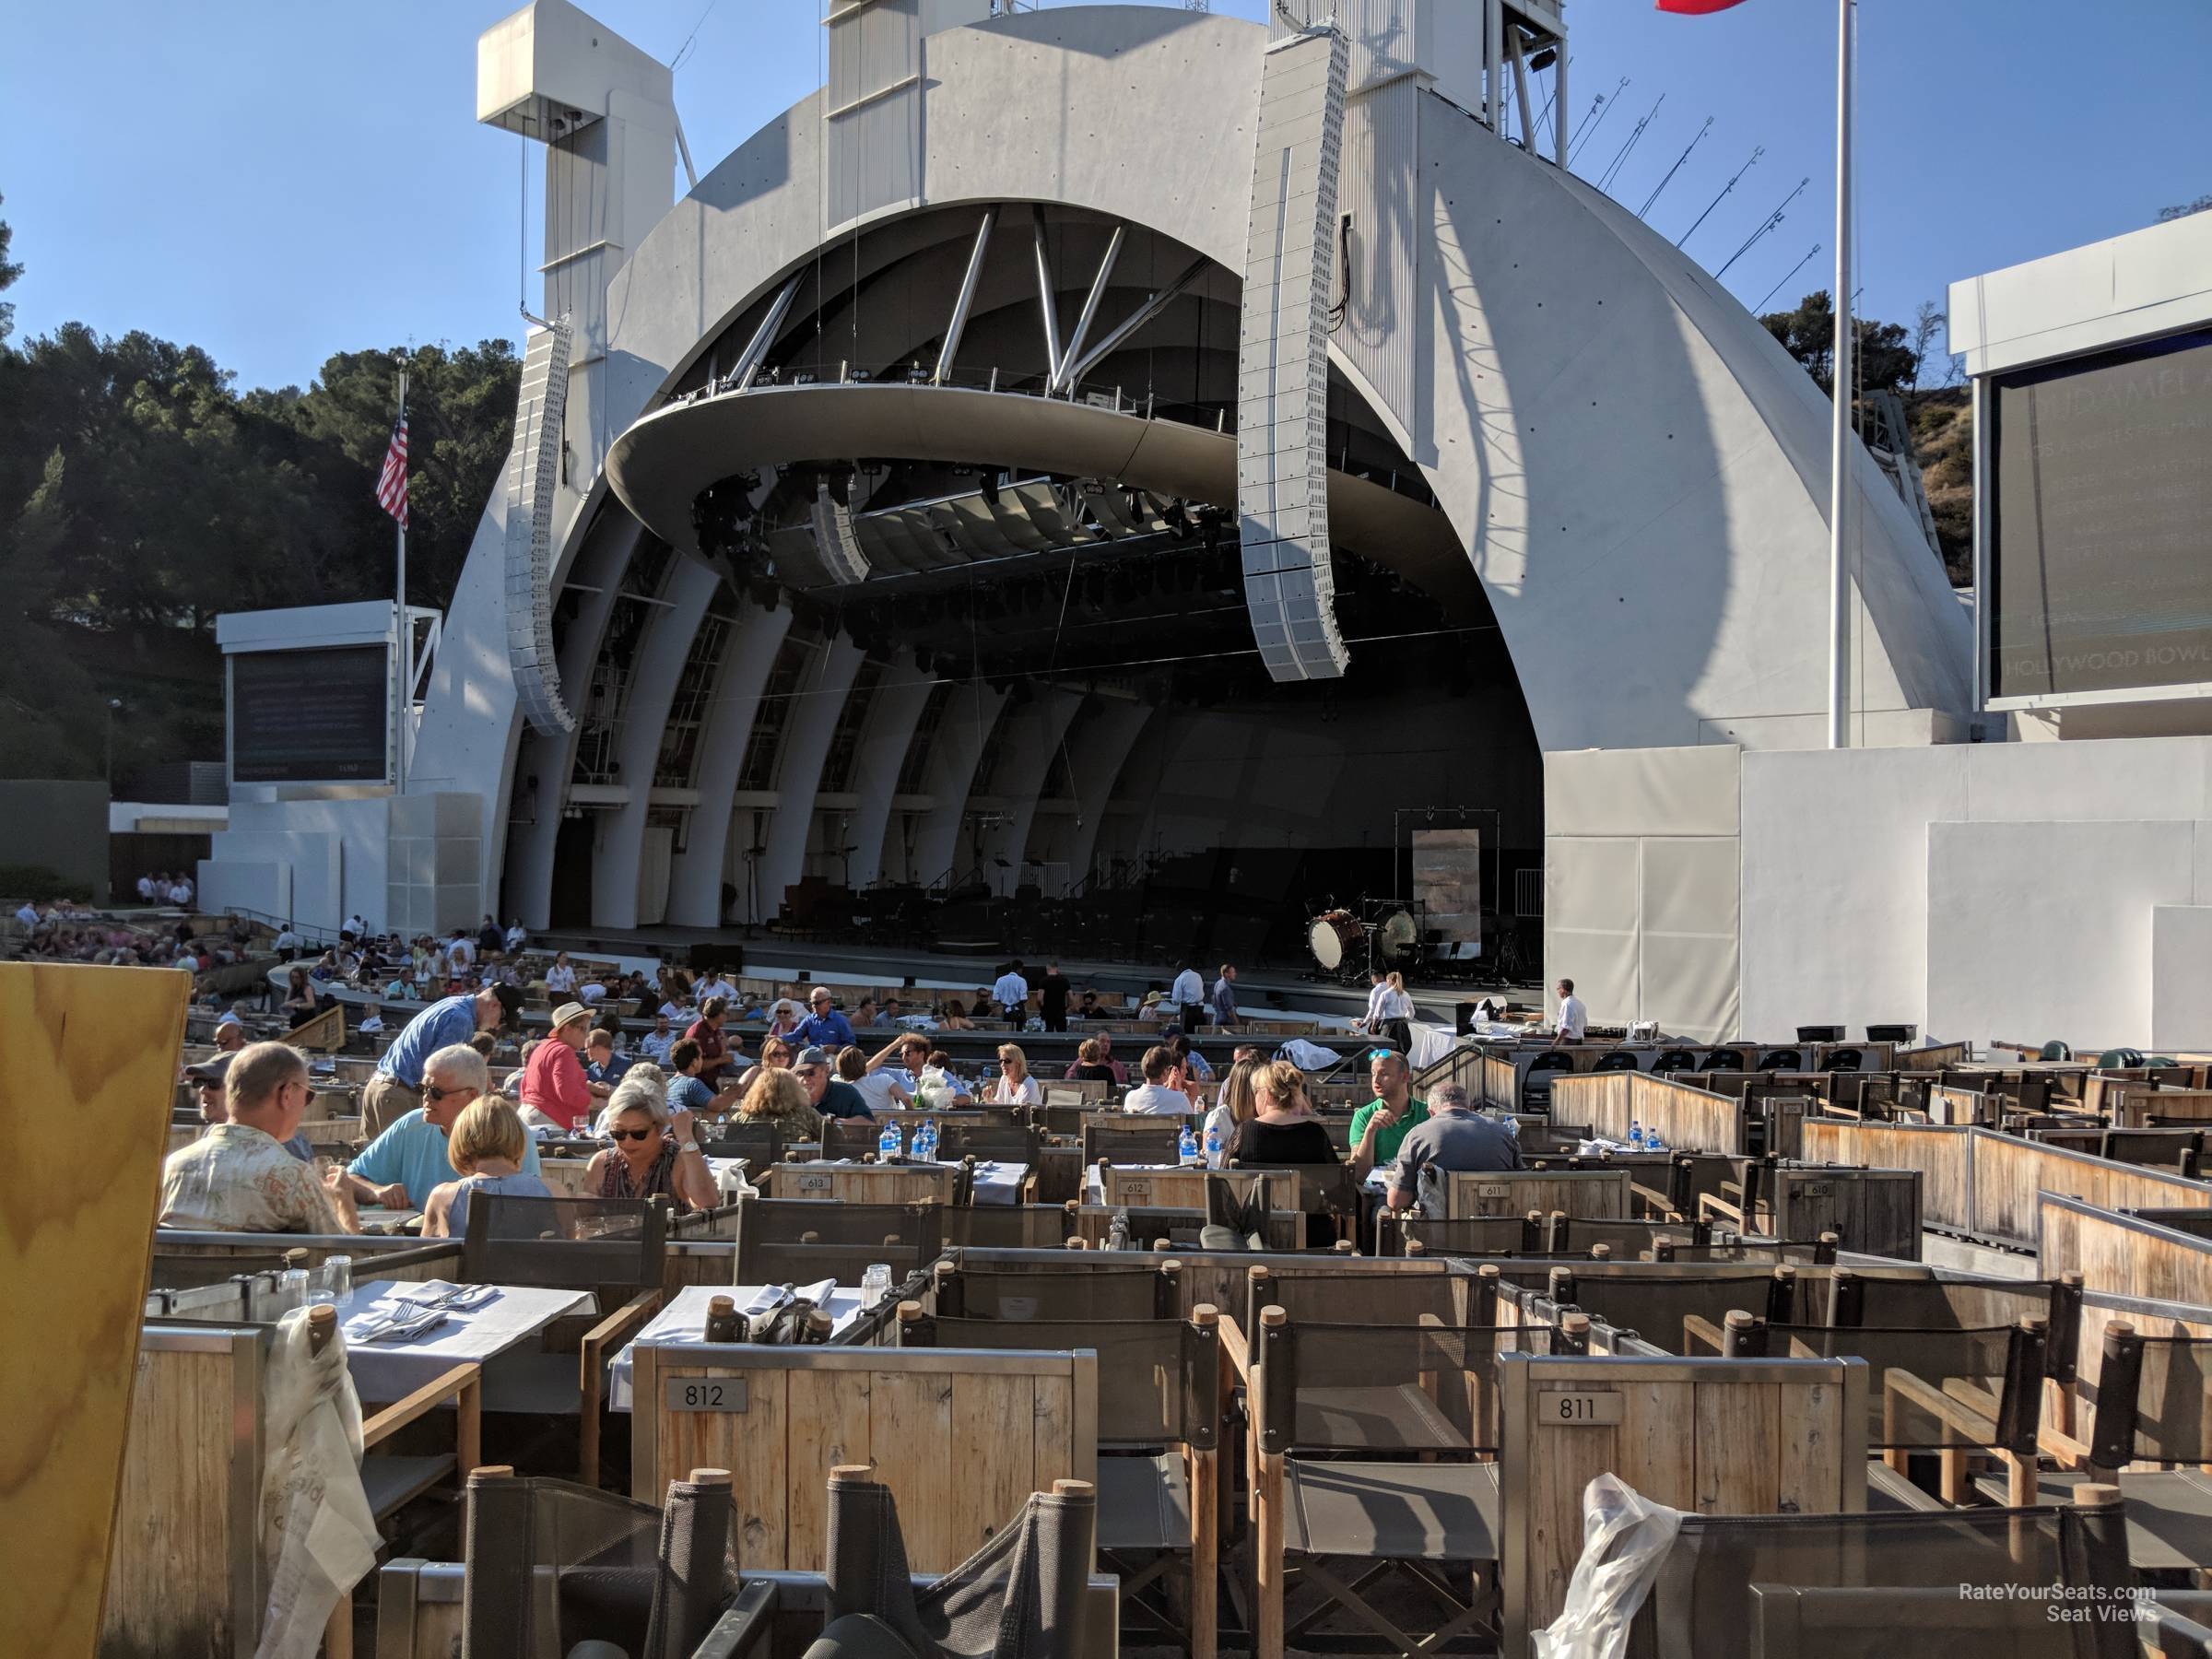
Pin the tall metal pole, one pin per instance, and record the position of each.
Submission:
(407, 635)
(1839, 483)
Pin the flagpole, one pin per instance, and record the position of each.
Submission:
(1838, 484)
(406, 636)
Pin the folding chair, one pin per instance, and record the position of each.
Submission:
(1066, 1287)
(850, 1137)
(761, 1145)
(1864, 1585)
(1159, 1425)
(616, 1248)
(1133, 1140)
(1008, 1226)
(798, 1241)
(1412, 1234)
(1362, 1470)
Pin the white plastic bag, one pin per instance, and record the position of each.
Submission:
(1625, 1538)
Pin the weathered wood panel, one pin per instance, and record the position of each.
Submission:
(2121, 1255)
(1875, 1212)
(864, 1184)
(2010, 1175)
(1939, 1154)
(1931, 1059)
(1690, 1120)
(2139, 1107)
(99, 1046)
(961, 1438)
(1712, 1436)
(1594, 1193)
(1185, 1188)
(187, 1500)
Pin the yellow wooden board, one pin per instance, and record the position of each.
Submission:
(95, 1047)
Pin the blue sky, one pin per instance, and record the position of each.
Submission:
(276, 181)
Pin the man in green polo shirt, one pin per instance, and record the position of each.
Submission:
(1380, 1126)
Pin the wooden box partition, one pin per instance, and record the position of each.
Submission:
(2009, 1177)
(1595, 1193)
(961, 1437)
(2139, 1107)
(185, 1575)
(1958, 1106)
(1714, 1437)
(2121, 1255)
(1933, 1058)
(1688, 1119)
(863, 1183)
(1874, 1212)
(1185, 1188)
(1939, 1153)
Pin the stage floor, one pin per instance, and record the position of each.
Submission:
(1259, 988)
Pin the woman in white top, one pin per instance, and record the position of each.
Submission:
(560, 979)
(1238, 1103)
(1015, 1086)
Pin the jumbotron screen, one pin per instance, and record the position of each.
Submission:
(2100, 540)
(314, 716)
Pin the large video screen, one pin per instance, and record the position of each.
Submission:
(316, 716)
(2100, 540)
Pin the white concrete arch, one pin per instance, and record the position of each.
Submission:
(661, 650)
(900, 701)
(1096, 755)
(695, 884)
(808, 728)
(960, 737)
(1026, 740)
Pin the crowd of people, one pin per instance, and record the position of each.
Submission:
(63, 931)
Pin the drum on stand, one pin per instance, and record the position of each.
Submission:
(1336, 938)
(1398, 938)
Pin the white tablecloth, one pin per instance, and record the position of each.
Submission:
(683, 1322)
(390, 1370)
(1000, 1183)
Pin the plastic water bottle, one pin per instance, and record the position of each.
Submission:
(1186, 1146)
(1512, 1125)
(927, 1135)
(1652, 1143)
(1212, 1145)
(1635, 1137)
(888, 1144)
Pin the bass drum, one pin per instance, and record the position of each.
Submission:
(1397, 938)
(1335, 937)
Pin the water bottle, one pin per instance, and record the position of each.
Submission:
(1212, 1145)
(927, 1136)
(888, 1146)
(1652, 1143)
(1512, 1125)
(1186, 1146)
(1635, 1136)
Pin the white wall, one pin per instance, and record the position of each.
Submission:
(2021, 891)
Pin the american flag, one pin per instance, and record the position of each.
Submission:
(392, 484)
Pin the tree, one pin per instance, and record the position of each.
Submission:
(2178, 211)
(1927, 322)
(1886, 361)
(8, 272)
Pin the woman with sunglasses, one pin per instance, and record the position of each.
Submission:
(655, 1155)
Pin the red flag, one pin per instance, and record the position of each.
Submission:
(1696, 9)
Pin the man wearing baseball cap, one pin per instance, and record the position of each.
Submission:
(396, 1089)
(827, 1093)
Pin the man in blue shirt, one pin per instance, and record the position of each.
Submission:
(396, 1089)
(827, 1028)
(411, 1153)
(601, 1064)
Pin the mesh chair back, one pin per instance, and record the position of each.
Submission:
(1005, 1143)
(1133, 1140)
(580, 1242)
(1843, 1060)
(1472, 1235)
(1781, 1059)
(759, 1144)
(1655, 1306)
(1727, 1059)
(1374, 1389)
(797, 1241)
(1905, 1367)
(1965, 1304)
(1551, 1060)
(2154, 1400)
(1235, 1204)
(1675, 1060)
(1704, 1602)
(1322, 1189)
(1020, 1596)
(850, 1137)
(1618, 1060)
(1158, 1378)
(1007, 1225)
(1084, 1287)
(550, 1564)
(1355, 1296)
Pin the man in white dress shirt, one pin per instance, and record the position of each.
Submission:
(1574, 1019)
(1012, 995)
(1188, 995)
(1163, 1091)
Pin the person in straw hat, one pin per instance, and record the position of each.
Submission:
(553, 1078)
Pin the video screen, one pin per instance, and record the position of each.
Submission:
(2100, 536)
(317, 716)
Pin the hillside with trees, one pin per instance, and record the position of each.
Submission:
(141, 493)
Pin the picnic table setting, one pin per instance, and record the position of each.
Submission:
(683, 1322)
(402, 1335)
